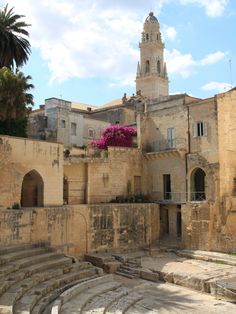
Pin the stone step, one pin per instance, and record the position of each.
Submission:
(14, 278)
(19, 248)
(130, 276)
(17, 290)
(100, 303)
(46, 304)
(28, 262)
(138, 308)
(32, 297)
(124, 303)
(129, 268)
(9, 257)
(73, 292)
(82, 299)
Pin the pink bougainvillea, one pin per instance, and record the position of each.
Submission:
(115, 135)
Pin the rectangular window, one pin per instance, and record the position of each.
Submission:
(63, 124)
(73, 128)
(91, 133)
(167, 186)
(200, 129)
(170, 138)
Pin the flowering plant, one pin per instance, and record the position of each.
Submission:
(115, 135)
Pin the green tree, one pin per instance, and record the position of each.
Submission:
(15, 102)
(14, 45)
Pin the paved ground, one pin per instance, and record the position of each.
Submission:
(165, 298)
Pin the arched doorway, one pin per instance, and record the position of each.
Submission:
(32, 190)
(198, 185)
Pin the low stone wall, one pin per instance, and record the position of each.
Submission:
(83, 228)
(208, 227)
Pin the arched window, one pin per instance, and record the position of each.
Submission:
(147, 67)
(32, 190)
(198, 185)
(157, 37)
(158, 67)
(147, 36)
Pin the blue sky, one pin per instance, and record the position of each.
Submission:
(87, 50)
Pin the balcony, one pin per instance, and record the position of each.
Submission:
(166, 145)
(177, 197)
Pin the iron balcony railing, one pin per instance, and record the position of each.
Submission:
(165, 145)
(178, 197)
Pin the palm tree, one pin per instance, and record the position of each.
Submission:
(15, 99)
(14, 46)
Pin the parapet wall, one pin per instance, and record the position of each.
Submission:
(83, 228)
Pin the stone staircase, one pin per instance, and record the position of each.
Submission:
(130, 268)
(31, 278)
(100, 295)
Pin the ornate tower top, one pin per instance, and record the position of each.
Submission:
(151, 78)
(151, 29)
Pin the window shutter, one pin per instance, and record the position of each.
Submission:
(204, 128)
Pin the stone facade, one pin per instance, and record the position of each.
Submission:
(58, 121)
(32, 168)
(101, 179)
(83, 228)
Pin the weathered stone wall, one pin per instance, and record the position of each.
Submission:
(83, 228)
(19, 156)
(95, 180)
(97, 126)
(203, 228)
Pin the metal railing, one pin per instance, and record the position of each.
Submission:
(178, 197)
(165, 145)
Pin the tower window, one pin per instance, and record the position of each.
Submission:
(147, 67)
(157, 37)
(159, 66)
(147, 36)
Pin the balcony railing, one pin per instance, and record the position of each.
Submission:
(178, 197)
(165, 145)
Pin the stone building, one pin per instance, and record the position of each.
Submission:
(65, 122)
(185, 164)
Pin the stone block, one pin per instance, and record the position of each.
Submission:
(149, 275)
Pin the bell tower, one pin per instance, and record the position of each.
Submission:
(152, 78)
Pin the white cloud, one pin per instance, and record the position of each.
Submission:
(216, 86)
(185, 65)
(97, 38)
(178, 63)
(169, 32)
(213, 8)
(213, 58)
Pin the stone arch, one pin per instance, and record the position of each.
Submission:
(32, 190)
(198, 184)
